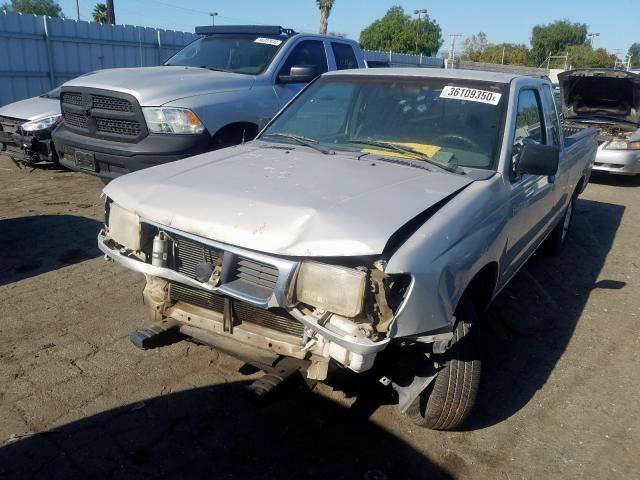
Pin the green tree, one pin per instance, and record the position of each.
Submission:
(634, 53)
(554, 38)
(474, 45)
(99, 13)
(325, 7)
(397, 32)
(36, 7)
(583, 56)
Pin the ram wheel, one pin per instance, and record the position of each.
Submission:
(446, 403)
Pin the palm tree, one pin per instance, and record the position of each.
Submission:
(99, 13)
(325, 9)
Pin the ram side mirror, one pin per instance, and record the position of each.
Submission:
(535, 159)
(299, 74)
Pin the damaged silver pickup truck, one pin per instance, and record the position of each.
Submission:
(381, 211)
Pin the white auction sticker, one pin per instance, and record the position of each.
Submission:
(267, 41)
(471, 94)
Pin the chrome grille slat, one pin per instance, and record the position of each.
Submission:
(243, 312)
(256, 273)
(189, 254)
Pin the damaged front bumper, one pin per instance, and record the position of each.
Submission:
(30, 149)
(207, 308)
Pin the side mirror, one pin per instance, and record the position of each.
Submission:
(299, 74)
(535, 159)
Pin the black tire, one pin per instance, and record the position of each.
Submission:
(446, 403)
(554, 244)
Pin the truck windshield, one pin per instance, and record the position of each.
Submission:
(248, 54)
(453, 122)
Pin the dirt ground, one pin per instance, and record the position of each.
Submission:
(558, 398)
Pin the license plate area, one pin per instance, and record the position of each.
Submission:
(85, 160)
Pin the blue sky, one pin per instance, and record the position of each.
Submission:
(501, 20)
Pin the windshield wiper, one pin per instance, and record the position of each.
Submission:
(409, 151)
(307, 142)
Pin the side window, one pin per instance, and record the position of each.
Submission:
(345, 58)
(307, 53)
(529, 123)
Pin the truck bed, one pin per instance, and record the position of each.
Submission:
(574, 132)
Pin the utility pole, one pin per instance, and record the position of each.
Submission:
(78, 10)
(418, 12)
(591, 35)
(111, 15)
(452, 50)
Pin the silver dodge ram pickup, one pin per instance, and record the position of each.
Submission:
(378, 214)
(216, 92)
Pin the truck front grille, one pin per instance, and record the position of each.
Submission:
(256, 273)
(75, 120)
(103, 102)
(119, 127)
(95, 113)
(243, 312)
(188, 254)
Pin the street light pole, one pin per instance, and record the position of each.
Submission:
(213, 16)
(418, 12)
(591, 35)
(78, 10)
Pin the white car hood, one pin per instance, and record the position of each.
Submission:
(34, 108)
(286, 202)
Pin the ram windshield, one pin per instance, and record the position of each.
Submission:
(448, 121)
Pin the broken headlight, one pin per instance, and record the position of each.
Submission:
(124, 227)
(333, 288)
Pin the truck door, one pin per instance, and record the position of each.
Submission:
(305, 53)
(531, 196)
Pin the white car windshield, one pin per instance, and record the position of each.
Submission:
(452, 122)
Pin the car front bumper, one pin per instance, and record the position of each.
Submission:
(109, 159)
(621, 162)
(31, 149)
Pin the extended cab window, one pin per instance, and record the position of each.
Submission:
(345, 58)
(307, 53)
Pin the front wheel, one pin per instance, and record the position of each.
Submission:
(446, 403)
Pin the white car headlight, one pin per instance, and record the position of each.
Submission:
(335, 289)
(172, 120)
(42, 124)
(124, 227)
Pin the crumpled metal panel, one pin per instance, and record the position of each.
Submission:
(295, 202)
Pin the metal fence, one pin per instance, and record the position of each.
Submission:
(496, 67)
(403, 59)
(38, 53)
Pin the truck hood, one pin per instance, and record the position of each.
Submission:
(155, 86)
(593, 92)
(31, 109)
(295, 202)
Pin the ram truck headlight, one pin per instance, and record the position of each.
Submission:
(124, 227)
(42, 124)
(172, 120)
(335, 289)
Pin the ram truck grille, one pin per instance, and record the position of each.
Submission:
(94, 113)
(243, 312)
